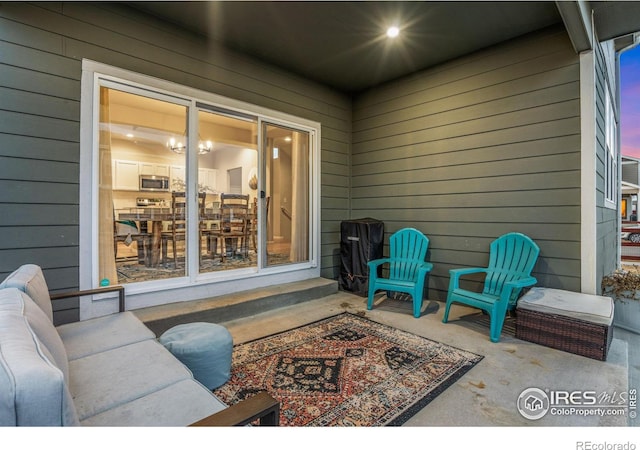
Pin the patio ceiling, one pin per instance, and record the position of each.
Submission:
(343, 44)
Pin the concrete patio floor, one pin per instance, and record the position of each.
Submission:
(487, 394)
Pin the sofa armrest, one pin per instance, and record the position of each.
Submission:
(102, 290)
(261, 406)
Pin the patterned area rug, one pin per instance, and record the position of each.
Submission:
(345, 371)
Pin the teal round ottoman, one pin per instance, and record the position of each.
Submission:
(205, 348)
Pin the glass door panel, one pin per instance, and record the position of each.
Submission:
(228, 178)
(287, 194)
(142, 227)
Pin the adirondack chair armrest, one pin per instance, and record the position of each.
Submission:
(373, 264)
(457, 273)
(509, 286)
(425, 267)
(522, 282)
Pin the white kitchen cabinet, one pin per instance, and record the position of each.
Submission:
(178, 177)
(207, 179)
(154, 169)
(125, 175)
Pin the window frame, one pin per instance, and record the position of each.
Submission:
(94, 75)
(611, 191)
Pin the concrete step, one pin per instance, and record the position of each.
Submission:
(233, 306)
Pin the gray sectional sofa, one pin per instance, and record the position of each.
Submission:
(107, 371)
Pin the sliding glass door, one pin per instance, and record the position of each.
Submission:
(287, 155)
(142, 226)
(194, 191)
(228, 176)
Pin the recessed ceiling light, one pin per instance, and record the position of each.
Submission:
(393, 32)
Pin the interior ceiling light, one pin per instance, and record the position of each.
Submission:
(178, 147)
(393, 32)
(204, 147)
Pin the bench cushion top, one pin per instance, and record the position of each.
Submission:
(587, 307)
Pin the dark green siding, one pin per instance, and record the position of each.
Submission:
(475, 148)
(483, 145)
(41, 51)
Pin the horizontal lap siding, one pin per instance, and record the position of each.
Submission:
(607, 223)
(481, 146)
(39, 157)
(41, 51)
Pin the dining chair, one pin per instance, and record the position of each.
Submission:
(253, 229)
(233, 232)
(127, 231)
(178, 226)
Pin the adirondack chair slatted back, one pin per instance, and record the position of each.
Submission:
(408, 269)
(512, 256)
(408, 249)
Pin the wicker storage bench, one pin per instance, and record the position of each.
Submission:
(569, 321)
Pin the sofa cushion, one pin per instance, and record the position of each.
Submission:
(114, 377)
(102, 333)
(17, 302)
(179, 404)
(33, 391)
(30, 280)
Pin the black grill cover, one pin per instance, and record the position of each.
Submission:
(361, 241)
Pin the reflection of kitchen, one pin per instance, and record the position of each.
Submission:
(146, 137)
(143, 177)
(224, 170)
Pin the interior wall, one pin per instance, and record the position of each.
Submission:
(478, 147)
(231, 158)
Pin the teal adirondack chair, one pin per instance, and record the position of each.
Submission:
(511, 260)
(407, 267)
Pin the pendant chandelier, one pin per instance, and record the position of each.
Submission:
(180, 148)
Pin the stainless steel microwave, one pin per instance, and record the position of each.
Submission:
(158, 183)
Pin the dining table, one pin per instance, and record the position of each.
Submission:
(158, 215)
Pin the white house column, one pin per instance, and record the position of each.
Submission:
(588, 172)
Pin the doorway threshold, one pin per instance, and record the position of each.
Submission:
(233, 306)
